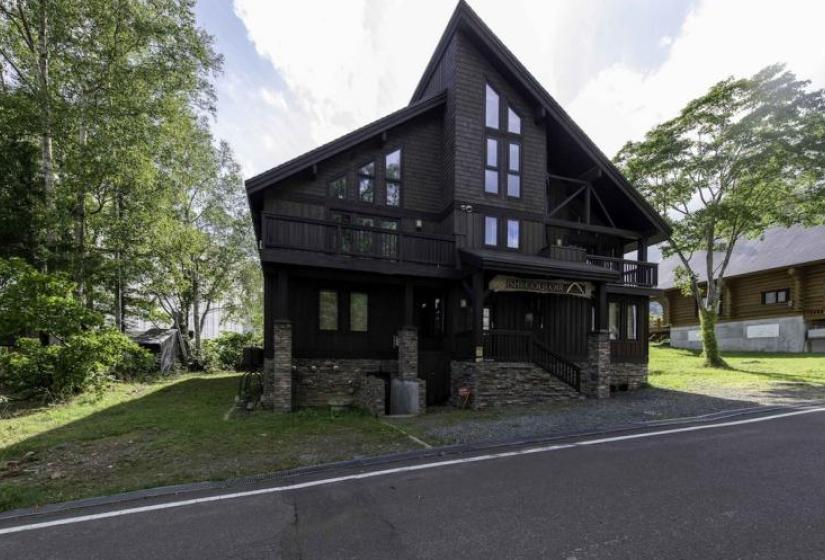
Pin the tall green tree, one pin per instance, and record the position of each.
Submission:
(206, 238)
(746, 156)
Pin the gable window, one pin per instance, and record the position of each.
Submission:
(512, 234)
(491, 111)
(358, 312)
(514, 170)
(513, 121)
(328, 310)
(338, 188)
(490, 231)
(393, 177)
(491, 167)
(366, 183)
(776, 296)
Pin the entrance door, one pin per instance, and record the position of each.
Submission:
(433, 360)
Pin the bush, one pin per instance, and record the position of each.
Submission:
(226, 351)
(84, 362)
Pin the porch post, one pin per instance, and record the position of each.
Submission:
(277, 375)
(478, 315)
(408, 304)
(407, 391)
(595, 375)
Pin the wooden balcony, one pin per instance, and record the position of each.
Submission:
(349, 240)
(631, 273)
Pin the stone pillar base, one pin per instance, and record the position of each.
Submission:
(277, 377)
(595, 376)
(408, 354)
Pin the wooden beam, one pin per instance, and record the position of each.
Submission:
(618, 232)
(602, 308)
(478, 313)
(591, 174)
(604, 209)
(567, 200)
(587, 197)
(567, 179)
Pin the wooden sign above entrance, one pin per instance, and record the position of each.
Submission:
(502, 283)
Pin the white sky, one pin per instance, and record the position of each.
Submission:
(298, 74)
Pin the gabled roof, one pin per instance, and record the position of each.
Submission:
(345, 142)
(466, 19)
(777, 248)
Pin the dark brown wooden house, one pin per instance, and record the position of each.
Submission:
(471, 244)
(773, 296)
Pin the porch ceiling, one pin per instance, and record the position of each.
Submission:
(519, 263)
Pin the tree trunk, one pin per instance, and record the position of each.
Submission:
(710, 346)
(196, 313)
(47, 151)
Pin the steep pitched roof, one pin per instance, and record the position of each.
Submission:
(777, 248)
(345, 142)
(466, 19)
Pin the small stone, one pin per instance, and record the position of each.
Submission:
(56, 475)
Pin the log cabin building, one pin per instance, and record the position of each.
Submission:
(773, 296)
(468, 247)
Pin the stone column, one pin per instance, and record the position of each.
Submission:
(408, 354)
(595, 376)
(277, 378)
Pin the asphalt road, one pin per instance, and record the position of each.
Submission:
(753, 491)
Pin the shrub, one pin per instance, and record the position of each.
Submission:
(226, 351)
(83, 362)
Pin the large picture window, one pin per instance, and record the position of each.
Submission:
(358, 312)
(328, 310)
(393, 178)
(502, 146)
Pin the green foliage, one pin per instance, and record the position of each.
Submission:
(226, 350)
(84, 362)
(746, 156)
(32, 303)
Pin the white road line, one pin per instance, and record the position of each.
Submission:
(385, 472)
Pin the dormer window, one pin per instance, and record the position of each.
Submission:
(366, 183)
(492, 107)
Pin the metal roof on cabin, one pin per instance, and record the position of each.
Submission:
(777, 248)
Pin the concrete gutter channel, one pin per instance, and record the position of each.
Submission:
(191, 490)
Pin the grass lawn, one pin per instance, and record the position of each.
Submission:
(144, 435)
(681, 370)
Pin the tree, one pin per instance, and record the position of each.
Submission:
(205, 241)
(746, 156)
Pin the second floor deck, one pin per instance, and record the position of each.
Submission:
(362, 244)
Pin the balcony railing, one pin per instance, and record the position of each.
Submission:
(309, 234)
(631, 273)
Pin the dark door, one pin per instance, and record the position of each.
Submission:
(433, 359)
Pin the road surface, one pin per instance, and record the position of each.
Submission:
(735, 489)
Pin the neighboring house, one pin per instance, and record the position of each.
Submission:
(471, 243)
(773, 298)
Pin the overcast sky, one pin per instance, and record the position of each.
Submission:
(300, 73)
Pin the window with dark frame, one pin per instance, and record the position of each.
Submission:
(366, 183)
(328, 310)
(512, 234)
(776, 296)
(514, 170)
(501, 141)
(491, 166)
(358, 312)
(491, 231)
(392, 175)
(632, 322)
(338, 188)
(613, 320)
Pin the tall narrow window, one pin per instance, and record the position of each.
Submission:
(513, 121)
(491, 107)
(338, 188)
(393, 178)
(366, 183)
(613, 324)
(490, 231)
(514, 170)
(632, 322)
(486, 322)
(491, 167)
(328, 310)
(358, 312)
(512, 234)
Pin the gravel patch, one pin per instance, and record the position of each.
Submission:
(449, 426)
